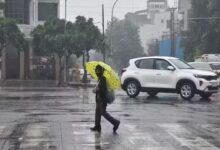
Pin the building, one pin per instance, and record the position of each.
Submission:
(184, 8)
(154, 22)
(31, 12)
(28, 14)
(2, 2)
(156, 5)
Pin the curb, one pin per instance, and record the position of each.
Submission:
(81, 85)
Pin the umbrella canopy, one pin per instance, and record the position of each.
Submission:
(112, 78)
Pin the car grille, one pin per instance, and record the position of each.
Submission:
(213, 88)
(209, 78)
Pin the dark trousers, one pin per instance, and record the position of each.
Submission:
(101, 111)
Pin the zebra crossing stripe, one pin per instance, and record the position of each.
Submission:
(186, 138)
(214, 128)
(85, 137)
(81, 129)
(2, 129)
(142, 140)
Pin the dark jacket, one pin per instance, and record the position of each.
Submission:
(102, 87)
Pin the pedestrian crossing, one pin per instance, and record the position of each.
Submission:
(187, 138)
(24, 137)
(165, 136)
(141, 138)
(2, 129)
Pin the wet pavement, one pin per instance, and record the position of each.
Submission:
(59, 119)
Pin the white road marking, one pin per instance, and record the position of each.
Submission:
(143, 140)
(81, 125)
(84, 137)
(2, 129)
(214, 128)
(81, 129)
(187, 139)
(131, 127)
(34, 136)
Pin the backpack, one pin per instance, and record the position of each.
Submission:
(110, 96)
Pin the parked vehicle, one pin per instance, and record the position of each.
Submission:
(209, 66)
(210, 58)
(167, 74)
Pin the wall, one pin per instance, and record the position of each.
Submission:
(184, 8)
(1, 8)
(165, 48)
(155, 30)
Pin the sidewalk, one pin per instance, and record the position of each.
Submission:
(74, 84)
(42, 83)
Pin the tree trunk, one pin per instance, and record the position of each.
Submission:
(85, 79)
(67, 68)
(87, 55)
(60, 71)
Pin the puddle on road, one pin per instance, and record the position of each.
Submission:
(31, 136)
(16, 134)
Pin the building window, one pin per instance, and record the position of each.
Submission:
(152, 6)
(1, 13)
(47, 10)
(18, 10)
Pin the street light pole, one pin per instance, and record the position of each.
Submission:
(65, 55)
(65, 10)
(103, 32)
(172, 31)
(113, 7)
(111, 40)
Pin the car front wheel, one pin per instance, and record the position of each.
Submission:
(132, 89)
(187, 90)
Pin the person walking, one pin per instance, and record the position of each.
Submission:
(101, 103)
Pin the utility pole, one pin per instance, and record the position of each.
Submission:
(112, 17)
(65, 9)
(172, 31)
(103, 31)
(65, 55)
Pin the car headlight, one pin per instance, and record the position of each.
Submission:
(198, 76)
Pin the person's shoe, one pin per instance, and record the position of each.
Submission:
(95, 129)
(115, 128)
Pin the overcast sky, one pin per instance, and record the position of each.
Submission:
(93, 8)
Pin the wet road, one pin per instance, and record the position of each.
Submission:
(60, 118)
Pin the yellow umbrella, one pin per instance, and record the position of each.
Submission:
(112, 78)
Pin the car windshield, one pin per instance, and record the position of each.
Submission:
(215, 66)
(181, 64)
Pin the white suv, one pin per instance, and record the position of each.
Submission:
(167, 74)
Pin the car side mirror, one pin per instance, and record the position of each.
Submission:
(171, 68)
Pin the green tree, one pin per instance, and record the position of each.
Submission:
(125, 42)
(65, 39)
(10, 34)
(212, 35)
(89, 38)
(204, 34)
(50, 39)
